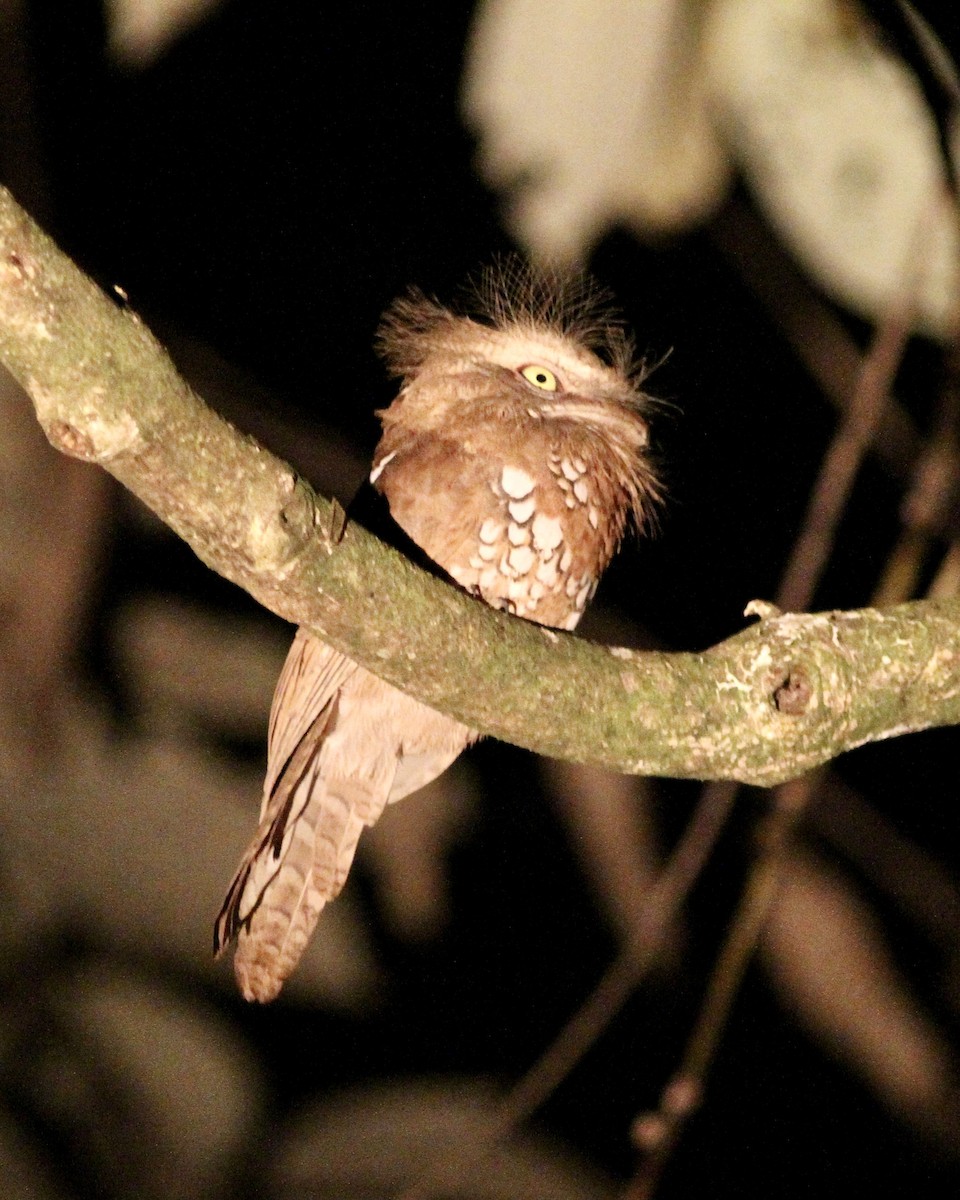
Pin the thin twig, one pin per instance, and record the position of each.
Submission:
(656, 1134)
(933, 491)
(830, 494)
(816, 336)
(657, 914)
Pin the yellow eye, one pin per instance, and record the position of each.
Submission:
(541, 377)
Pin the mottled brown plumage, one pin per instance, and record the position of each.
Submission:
(514, 456)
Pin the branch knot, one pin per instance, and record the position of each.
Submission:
(792, 697)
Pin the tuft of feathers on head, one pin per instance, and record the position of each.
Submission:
(512, 294)
(556, 299)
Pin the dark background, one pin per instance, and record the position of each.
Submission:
(264, 190)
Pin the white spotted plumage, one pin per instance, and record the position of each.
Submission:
(513, 456)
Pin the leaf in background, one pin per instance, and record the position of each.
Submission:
(826, 954)
(141, 30)
(592, 112)
(836, 139)
(637, 112)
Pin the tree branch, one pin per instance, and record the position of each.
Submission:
(779, 698)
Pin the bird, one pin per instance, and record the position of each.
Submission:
(514, 456)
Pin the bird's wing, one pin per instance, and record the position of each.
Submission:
(309, 683)
(310, 822)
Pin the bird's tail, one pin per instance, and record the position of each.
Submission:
(283, 883)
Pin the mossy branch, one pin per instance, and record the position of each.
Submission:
(782, 696)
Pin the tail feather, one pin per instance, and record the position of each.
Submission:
(298, 860)
(312, 870)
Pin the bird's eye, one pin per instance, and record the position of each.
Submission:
(541, 377)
